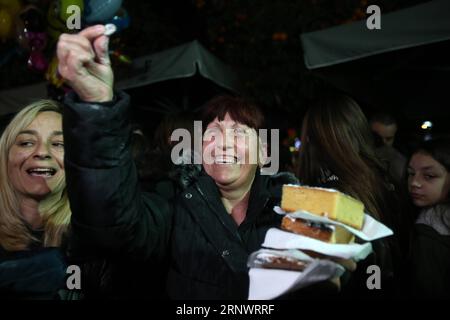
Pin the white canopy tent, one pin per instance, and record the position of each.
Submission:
(403, 66)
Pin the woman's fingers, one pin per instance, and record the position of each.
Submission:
(93, 32)
(77, 41)
(73, 59)
(101, 50)
(348, 264)
(337, 282)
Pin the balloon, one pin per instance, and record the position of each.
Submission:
(8, 55)
(37, 42)
(121, 20)
(32, 18)
(21, 35)
(100, 11)
(57, 17)
(56, 25)
(121, 57)
(13, 6)
(52, 73)
(64, 4)
(31, 35)
(6, 24)
(37, 61)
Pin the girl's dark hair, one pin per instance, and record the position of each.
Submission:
(336, 140)
(439, 150)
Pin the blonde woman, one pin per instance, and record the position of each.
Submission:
(34, 208)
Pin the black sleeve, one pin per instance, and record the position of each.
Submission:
(430, 263)
(109, 212)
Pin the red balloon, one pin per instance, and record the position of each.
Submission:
(37, 61)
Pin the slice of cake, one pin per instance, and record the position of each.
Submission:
(324, 202)
(292, 260)
(284, 263)
(320, 231)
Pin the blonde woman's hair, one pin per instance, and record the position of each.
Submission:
(54, 209)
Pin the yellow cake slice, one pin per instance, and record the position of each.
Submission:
(324, 202)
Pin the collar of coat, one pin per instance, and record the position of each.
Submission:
(265, 192)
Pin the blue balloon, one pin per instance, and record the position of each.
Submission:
(100, 11)
(8, 55)
(121, 20)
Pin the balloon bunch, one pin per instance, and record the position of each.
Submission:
(92, 12)
(101, 11)
(58, 14)
(31, 28)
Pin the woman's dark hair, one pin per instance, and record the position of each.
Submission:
(240, 109)
(182, 120)
(336, 140)
(153, 159)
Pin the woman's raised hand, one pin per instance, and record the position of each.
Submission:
(84, 64)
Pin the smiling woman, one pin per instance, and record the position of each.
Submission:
(34, 208)
(31, 162)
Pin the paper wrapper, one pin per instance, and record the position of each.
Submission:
(256, 259)
(371, 230)
(282, 240)
(272, 283)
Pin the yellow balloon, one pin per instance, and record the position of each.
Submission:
(55, 26)
(57, 17)
(52, 73)
(64, 4)
(5, 24)
(13, 6)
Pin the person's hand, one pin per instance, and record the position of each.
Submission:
(348, 264)
(84, 64)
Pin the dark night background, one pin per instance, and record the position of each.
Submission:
(258, 39)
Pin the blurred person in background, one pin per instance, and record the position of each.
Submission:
(384, 128)
(337, 152)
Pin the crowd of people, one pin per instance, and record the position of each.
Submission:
(76, 189)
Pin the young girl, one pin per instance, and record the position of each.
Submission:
(428, 185)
